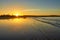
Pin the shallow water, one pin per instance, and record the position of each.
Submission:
(31, 28)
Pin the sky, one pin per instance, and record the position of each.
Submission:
(37, 7)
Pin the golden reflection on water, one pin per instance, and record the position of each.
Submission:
(26, 24)
(17, 23)
(18, 20)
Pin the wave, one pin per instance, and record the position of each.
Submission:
(55, 22)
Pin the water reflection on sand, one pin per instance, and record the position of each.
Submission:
(28, 28)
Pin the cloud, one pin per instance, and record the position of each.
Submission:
(31, 10)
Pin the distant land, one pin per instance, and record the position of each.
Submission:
(25, 16)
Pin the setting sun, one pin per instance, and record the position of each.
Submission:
(17, 15)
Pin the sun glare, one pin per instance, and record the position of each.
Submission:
(17, 14)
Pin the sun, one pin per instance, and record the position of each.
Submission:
(17, 14)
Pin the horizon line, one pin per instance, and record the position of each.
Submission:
(30, 15)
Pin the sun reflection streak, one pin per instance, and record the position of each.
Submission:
(17, 20)
(14, 25)
(18, 23)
